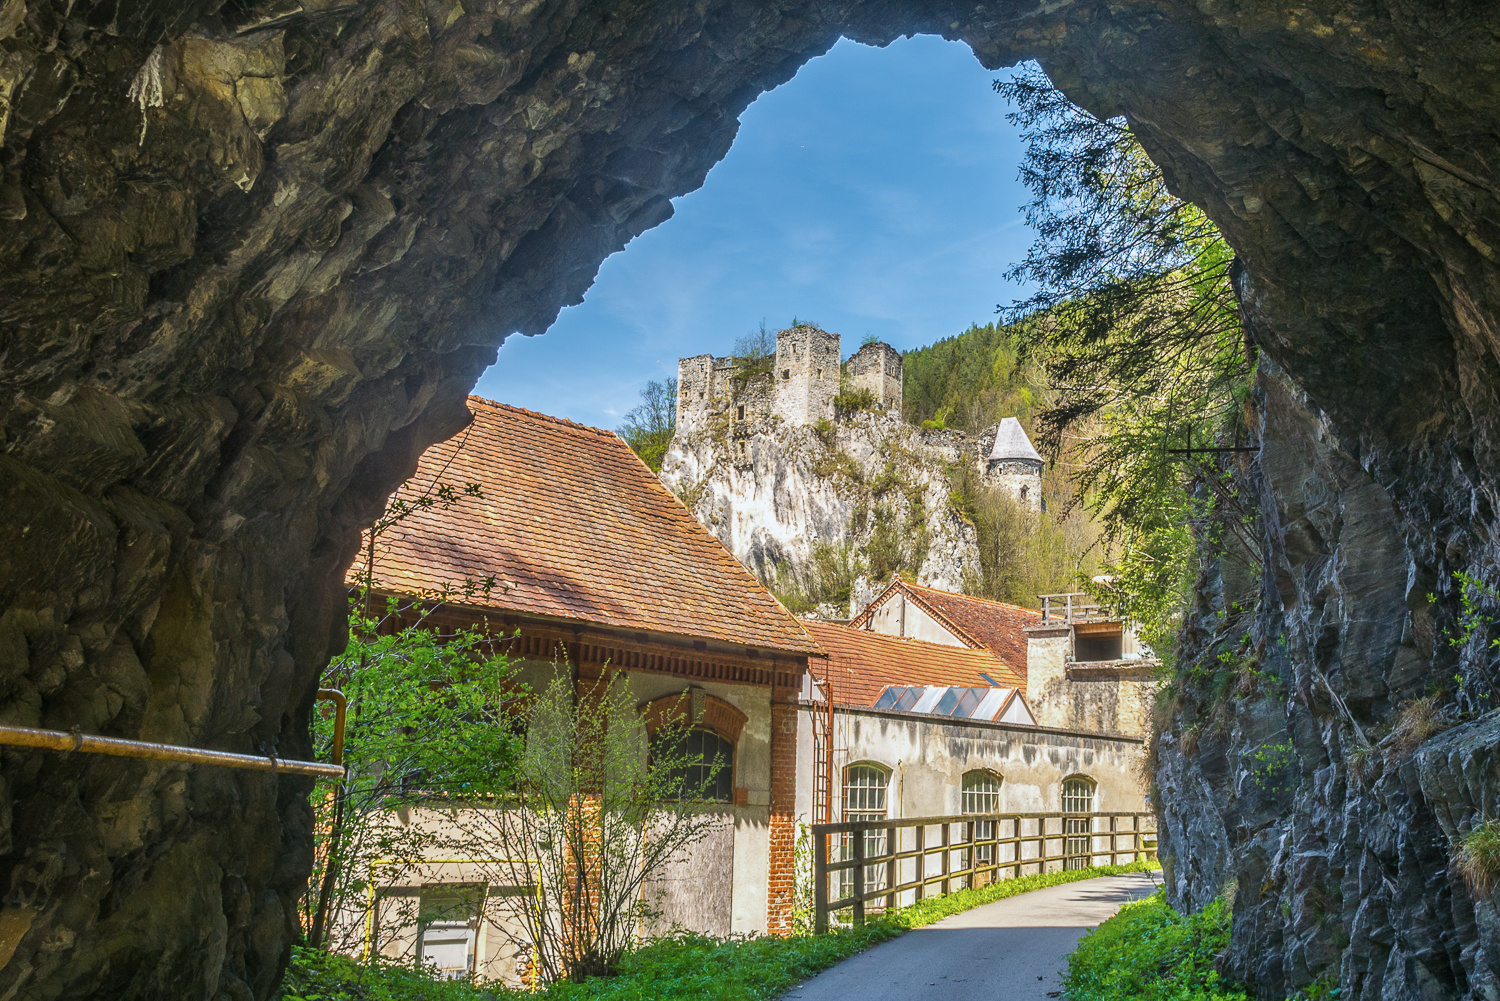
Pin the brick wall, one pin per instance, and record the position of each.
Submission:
(780, 891)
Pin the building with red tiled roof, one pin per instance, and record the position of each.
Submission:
(560, 542)
(923, 709)
(896, 727)
(861, 665)
(906, 609)
(571, 528)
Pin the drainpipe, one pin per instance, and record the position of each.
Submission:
(900, 790)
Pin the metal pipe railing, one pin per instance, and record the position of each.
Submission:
(70, 741)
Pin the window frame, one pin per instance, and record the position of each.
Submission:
(1093, 793)
(726, 775)
(964, 792)
(885, 790)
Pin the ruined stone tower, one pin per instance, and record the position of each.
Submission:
(807, 374)
(877, 367)
(1013, 463)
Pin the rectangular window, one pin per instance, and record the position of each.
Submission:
(448, 929)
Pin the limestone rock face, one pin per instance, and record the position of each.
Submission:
(795, 487)
(253, 254)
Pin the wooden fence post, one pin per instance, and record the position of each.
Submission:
(820, 883)
(921, 860)
(859, 878)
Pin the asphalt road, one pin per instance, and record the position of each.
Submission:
(1011, 950)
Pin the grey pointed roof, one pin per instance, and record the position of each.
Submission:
(1012, 444)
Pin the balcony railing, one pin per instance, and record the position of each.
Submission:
(1075, 607)
(896, 862)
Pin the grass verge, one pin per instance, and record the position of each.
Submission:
(1149, 952)
(685, 968)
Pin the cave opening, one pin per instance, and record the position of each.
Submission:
(227, 338)
(876, 192)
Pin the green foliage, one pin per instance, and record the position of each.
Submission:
(1476, 857)
(315, 975)
(970, 381)
(681, 968)
(1023, 553)
(649, 426)
(835, 464)
(424, 723)
(598, 812)
(826, 578)
(851, 400)
(1477, 610)
(1148, 952)
(939, 421)
(754, 357)
(1271, 765)
(1136, 321)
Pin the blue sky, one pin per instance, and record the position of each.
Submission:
(875, 193)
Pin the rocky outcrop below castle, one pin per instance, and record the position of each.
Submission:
(870, 490)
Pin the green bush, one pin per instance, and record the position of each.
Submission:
(852, 401)
(315, 975)
(1149, 952)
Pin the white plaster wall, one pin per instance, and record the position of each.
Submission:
(928, 756)
(899, 616)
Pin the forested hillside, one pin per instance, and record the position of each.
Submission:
(971, 380)
(967, 383)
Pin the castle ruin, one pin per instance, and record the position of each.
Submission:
(796, 385)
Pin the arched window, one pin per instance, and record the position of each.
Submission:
(864, 792)
(865, 788)
(1077, 797)
(709, 774)
(981, 792)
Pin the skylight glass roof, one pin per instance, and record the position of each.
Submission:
(957, 702)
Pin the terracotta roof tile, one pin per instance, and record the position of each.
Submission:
(861, 664)
(993, 625)
(573, 525)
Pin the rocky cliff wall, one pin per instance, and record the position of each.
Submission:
(795, 486)
(254, 253)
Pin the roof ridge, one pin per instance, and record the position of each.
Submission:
(938, 614)
(912, 639)
(676, 505)
(538, 415)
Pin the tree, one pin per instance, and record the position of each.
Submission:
(597, 812)
(424, 720)
(1137, 325)
(1024, 553)
(649, 426)
(425, 724)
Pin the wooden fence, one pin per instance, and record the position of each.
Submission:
(900, 861)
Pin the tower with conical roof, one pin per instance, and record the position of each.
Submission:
(1014, 464)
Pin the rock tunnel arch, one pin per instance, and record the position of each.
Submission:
(252, 256)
